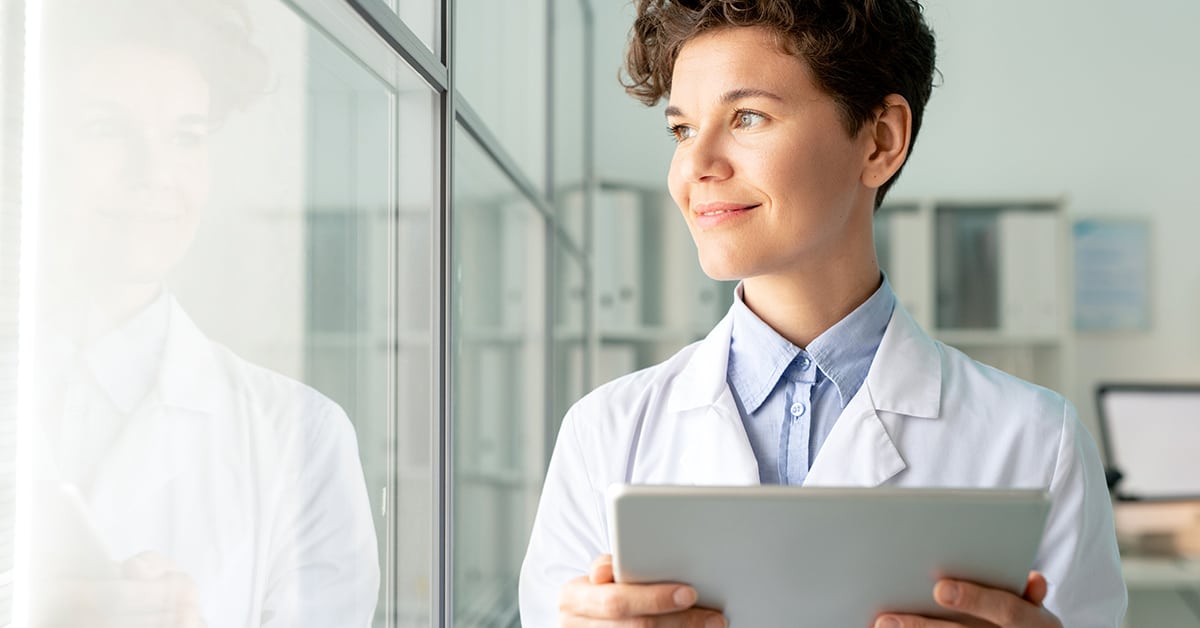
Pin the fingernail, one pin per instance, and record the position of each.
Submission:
(949, 593)
(685, 597)
(887, 622)
(714, 622)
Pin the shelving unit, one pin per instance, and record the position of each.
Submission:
(651, 296)
(987, 276)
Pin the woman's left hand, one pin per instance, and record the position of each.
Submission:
(992, 607)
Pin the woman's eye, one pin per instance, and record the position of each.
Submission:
(748, 118)
(680, 132)
(103, 129)
(190, 135)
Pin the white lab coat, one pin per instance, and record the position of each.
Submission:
(247, 481)
(926, 415)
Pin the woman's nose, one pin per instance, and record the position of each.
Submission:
(704, 158)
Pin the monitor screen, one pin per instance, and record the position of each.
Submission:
(1152, 436)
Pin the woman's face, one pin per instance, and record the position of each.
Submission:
(126, 172)
(765, 173)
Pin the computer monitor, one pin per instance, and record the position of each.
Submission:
(1151, 436)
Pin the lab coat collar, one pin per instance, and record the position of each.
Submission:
(189, 366)
(170, 433)
(905, 378)
(906, 375)
(702, 380)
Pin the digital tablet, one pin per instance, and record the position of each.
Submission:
(824, 557)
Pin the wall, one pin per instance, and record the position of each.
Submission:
(1091, 100)
(1063, 98)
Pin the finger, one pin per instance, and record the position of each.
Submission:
(189, 619)
(691, 618)
(997, 606)
(146, 565)
(1036, 588)
(104, 598)
(581, 598)
(172, 595)
(601, 570)
(912, 621)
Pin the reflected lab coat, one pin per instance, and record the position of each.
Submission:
(926, 415)
(247, 481)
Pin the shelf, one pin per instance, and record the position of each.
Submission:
(349, 339)
(569, 335)
(989, 338)
(1146, 572)
(649, 334)
(495, 335)
(507, 478)
(404, 210)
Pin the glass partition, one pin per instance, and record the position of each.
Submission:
(234, 298)
(243, 372)
(500, 50)
(498, 353)
(423, 18)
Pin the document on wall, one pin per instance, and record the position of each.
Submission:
(1112, 275)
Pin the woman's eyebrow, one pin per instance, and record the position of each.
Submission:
(731, 97)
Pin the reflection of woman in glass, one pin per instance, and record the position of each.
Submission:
(175, 483)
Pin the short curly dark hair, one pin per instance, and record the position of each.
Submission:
(215, 35)
(859, 51)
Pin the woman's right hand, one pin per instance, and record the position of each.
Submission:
(598, 600)
(149, 592)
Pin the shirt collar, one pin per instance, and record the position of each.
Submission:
(758, 355)
(159, 347)
(845, 351)
(125, 361)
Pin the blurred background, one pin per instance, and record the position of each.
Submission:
(448, 218)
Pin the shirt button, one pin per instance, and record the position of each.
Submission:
(797, 409)
(803, 362)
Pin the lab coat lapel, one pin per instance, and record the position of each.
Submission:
(905, 379)
(858, 451)
(714, 448)
(168, 434)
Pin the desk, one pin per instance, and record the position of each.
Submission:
(1163, 592)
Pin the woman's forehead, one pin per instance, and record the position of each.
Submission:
(730, 59)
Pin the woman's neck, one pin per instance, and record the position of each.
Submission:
(802, 305)
(87, 315)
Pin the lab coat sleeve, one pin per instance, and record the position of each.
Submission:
(568, 531)
(1078, 553)
(324, 567)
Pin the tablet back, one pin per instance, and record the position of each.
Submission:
(824, 557)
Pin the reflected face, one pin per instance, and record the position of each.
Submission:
(765, 173)
(127, 170)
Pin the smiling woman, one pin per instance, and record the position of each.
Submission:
(761, 144)
(791, 119)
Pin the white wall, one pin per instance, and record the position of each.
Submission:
(1091, 100)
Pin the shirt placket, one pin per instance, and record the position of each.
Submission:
(797, 421)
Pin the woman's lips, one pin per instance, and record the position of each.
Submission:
(712, 214)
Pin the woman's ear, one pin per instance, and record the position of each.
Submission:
(890, 134)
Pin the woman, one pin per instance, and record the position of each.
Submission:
(793, 118)
(176, 483)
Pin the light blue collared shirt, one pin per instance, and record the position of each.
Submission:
(789, 397)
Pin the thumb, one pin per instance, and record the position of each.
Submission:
(601, 571)
(1036, 588)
